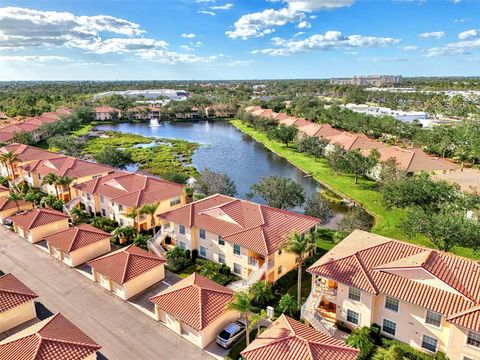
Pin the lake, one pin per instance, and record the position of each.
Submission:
(226, 149)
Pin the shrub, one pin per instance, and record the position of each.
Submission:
(194, 255)
(361, 339)
(187, 253)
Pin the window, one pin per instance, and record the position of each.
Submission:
(433, 318)
(473, 338)
(279, 270)
(221, 241)
(122, 222)
(104, 213)
(353, 317)
(237, 269)
(279, 252)
(201, 233)
(429, 343)
(353, 294)
(182, 245)
(389, 327)
(236, 249)
(120, 207)
(175, 201)
(90, 210)
(221, 258)
(39, 177)
(181, 229)
(391, 303)
(102, 199)
(88, 196)
(203, 251)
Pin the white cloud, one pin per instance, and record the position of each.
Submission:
(33, 58)
(123, 45)
(188, 36)
(186, 48)
(328, 41)
(410, 48)
(222, 7)
(206, 12)
(240, 63)
(456, 1)
(468, 34)
(432, 35)
(172, 57)
(261, 23)
(205, 1)
(304, 25)
(454, 48)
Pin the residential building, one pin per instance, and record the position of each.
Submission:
(102, 113)
(245, 236)
(117, 195)
(350, 142)
(51, 339)
(35, 224)
(145, 113)
(79, 244)
(149, 94)
(4, 191)
(220, 111)
(370, 80)
(128, 271)
(195, 308)
(16, 303)
(288, 339)
(426, 298)
(79, 171)
(9, 207)
(468, 179)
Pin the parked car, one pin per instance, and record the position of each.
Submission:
(231, 334)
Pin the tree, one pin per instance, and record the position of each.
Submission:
(288, 305)
(313, 146)
(357, 164)
(301, 246)
(133, 214)
(361, 339)
(105, 224)
(211, 183)
(282, 133)
(279, 192)
(69, 145)
(24, 137)
(355, 218)
(112, 156)
(318, 207)
(241, 303)
(52, 201)
(7, 159)
(336, 158)
(64, 181)
(12, 196)
(149, 209)
(261, 293)
(390, 172)
(51, 179)
(124, 234)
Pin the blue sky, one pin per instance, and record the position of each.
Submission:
(236, 39)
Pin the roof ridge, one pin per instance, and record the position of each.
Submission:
(365, 272)
(126, 266)
(77, 231)
(464, 312)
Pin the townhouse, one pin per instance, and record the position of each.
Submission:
(426, 298)
(77, 170)
(288, 339)
(120, 194)
(246, 236)
(145, 113)
(53, 338)
(102, 113)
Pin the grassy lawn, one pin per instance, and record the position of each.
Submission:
(386, 221)
(84, 130)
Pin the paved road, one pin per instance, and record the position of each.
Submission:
(122, 330)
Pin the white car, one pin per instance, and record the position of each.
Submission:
(231, 333)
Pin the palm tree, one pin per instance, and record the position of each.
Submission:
(8, 159)
(133, 214)
(255, 320)
(15, 198)
(361, 339)
(51, 179)
(288, 305)
(64, 181)
(241, 303)
(209, 270)
(149, 209)
(301, 247)
(261, 292)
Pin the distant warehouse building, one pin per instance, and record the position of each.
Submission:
(371, 80)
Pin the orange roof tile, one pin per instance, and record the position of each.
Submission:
(131, 189)
(288, 339)
(195, 300)
(351, 142)
(26, 153)
(370, 262)
(13, 293)
(76, 237)
(51, 339)
(469, 318)
(37, 217)
(126, 264)
(6, 204)
(105, 109)
(260, 228)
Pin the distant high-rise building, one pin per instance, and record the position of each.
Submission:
(371, 80)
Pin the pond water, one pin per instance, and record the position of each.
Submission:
(226, 149)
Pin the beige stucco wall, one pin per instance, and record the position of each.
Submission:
(457, 345)
(364, 307)
(83, 254)
(144, 281)
(6, 213)
(37, 234)
(17, 315)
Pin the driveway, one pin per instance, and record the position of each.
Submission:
(124, 332)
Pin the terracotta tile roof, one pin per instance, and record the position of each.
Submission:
(37, 217)
(299, 122)
(105, 109)
(131, 189)
(51, 339)
(259, 112)
(469, 319)
(252, 108)
(287, 121)
(67, 166)
(468, 179)
(260, 228)
(195, 300)
(413, 159)
(76, 237)
(27, 153)
(6, 204)
(13, 293)
(288, 339)
(281, 116)
(126, 264)
(355, 141)
(371, 262)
